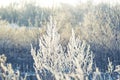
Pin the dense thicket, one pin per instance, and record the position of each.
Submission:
(99, 25)
(27, 15)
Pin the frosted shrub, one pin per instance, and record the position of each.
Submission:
(111, 71)
(97, 75)
(110, 74)
(110, 66)
(75, 63)
(7, 72)
(117, 68)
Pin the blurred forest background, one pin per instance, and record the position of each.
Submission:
(98, 25)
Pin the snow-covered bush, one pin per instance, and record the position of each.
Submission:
(111, 73)
(7, 72)
(75, 62)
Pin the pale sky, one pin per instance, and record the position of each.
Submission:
(49, 3)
